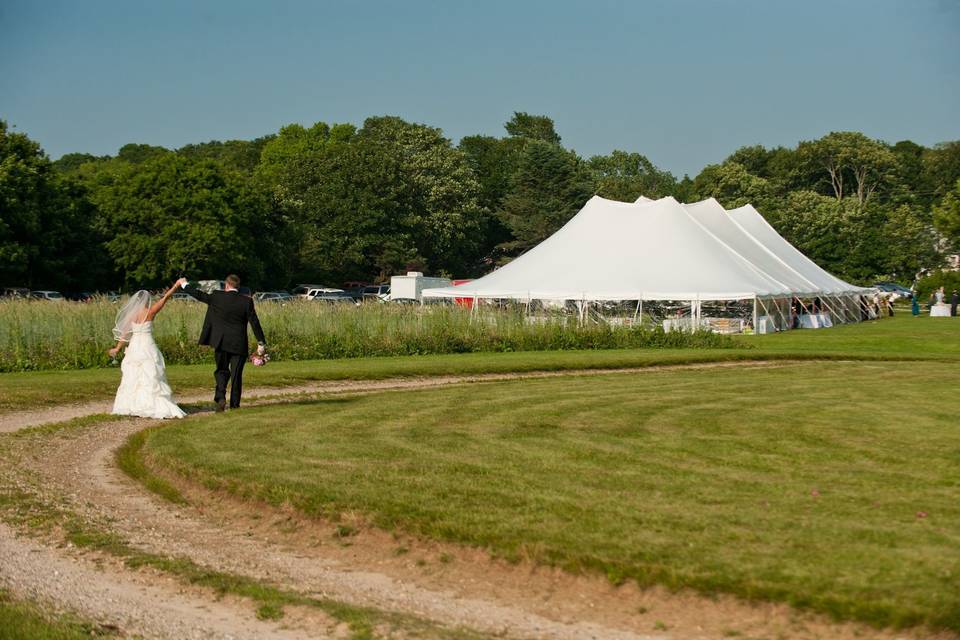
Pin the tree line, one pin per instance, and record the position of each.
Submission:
(333, 203)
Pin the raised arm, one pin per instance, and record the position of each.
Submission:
(158, 305)
(192, 290)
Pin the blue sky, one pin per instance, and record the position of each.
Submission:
(684, 82)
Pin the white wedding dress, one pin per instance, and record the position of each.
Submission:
(143, 390)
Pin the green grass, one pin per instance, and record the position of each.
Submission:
(801, 483)
(20, 620)
(899, 338)
(35, 510)
(130, 460)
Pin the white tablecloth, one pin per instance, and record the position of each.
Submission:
(766, 324)
(941, 310)
(815, 321)
(677, 324)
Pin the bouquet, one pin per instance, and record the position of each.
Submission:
(258, 360)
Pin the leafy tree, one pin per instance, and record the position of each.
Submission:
(445, 218)
(524, 125)
(941, 168)
(778, 166)
(137, 153)
(908, 244)
(626, 176)
(753, 159)
(293, 143)
(71, 162)
(170, 215)
(550, 186)
(26, 197)
(46, 222)
(685, 191)
(850, 163)
(814, 224)
(240, 155)
(909, 156)
(73, 256)
(732, 185)
(351, 209)
(493, 162)
(946, 216)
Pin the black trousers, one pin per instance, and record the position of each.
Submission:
(229, 369)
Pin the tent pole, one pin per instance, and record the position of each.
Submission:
(786, 321)
(831, 309)
(636, 312)
(766, 313)
(640, 309)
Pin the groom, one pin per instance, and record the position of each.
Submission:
(225, 329)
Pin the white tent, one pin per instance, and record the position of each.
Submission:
(660, 250)
(752, 223)
(624, 251)
(718, 222)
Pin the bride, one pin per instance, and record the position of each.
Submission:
(143, 390)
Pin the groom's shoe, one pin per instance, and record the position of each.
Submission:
(221, 405)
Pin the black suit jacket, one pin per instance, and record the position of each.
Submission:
(225, 326)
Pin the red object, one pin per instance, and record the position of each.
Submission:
(466, 303)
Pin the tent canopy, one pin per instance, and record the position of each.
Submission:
(655, 250)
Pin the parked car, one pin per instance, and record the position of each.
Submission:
(16, 292)
(273, 296)
(899, 291)
(376, 292)
(334, 296)
(180, 295)
(301, 290)
(80, 296)
(52, 296)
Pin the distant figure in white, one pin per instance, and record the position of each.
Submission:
(940, 309)
(143, 390)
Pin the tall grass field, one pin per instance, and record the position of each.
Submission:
(38, 335)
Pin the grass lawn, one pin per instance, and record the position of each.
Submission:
(20, 620)
(901, 337)
(828, 485)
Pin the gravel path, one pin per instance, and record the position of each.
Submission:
(135, 604)
(474, 592)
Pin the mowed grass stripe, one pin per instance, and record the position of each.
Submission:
(799, 483)
(898, 338)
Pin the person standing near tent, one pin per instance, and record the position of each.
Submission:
(914, 304)
(796, 310)
(954, 299)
